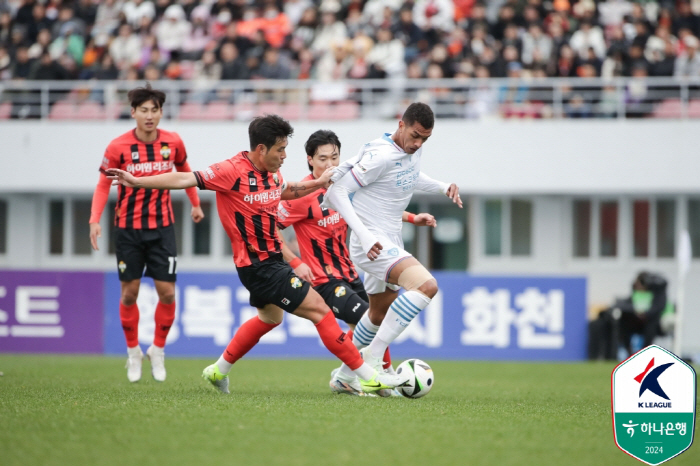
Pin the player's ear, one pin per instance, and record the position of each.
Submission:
(133, 112)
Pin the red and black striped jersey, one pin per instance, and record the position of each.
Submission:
(142, 208)
(247, 200)
(321, 234)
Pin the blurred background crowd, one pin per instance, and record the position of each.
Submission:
(326, 40)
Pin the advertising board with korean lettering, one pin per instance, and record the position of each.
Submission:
(51, 312)
(472, 317)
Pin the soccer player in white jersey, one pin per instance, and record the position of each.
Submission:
(371, 191)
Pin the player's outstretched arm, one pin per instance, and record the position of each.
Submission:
(297, 189)
(173, 180)
(429, 185)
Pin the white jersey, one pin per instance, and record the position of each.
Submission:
(387, 177)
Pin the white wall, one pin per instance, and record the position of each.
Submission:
(482, 157)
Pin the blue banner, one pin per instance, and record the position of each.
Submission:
(472, 317)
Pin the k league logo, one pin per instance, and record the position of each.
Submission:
(653, 401)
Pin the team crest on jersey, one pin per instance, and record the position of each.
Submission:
(135, 155)
(296, 283)
(122, 266)
(339, 291)
(276, 178)
(165, 151)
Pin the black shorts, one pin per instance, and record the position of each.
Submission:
(348, 301)
(153, 249)
(273, 281)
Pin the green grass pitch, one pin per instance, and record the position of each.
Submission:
(73, 410)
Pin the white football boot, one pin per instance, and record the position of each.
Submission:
(157, 357)
(340, 383)
(133, 363)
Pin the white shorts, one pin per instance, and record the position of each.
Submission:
(377, 271)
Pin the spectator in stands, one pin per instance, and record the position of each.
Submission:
(174, 29)
(232, 66)
(306, 29)
(335, 63)
(537, 47)
(406, 30)
(688, 61)
(386, 58)
(5, 27)
(294, 10)
(152, 73)
(206, 74)
(272, 67)
(5, 64)
(330, 31)
(664, 62)
(135, 10)
(107, 18)
(199, 38)
(588, 36)
(22, 65)
(275, 25)
(685, 19)
(125, 48)
(47, 69)
(106, 69)
(67, 15)
(39, 22)
(68, 42)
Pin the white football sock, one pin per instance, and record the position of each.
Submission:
(364, 332)
(401, 313)
(365, 371)
(224, 365)
(135, 351)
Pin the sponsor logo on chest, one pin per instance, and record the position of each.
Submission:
(149, 167)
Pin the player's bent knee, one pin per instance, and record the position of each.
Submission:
(429, 288)
(271, 315)
(417, 278)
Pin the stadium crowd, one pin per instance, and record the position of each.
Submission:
(211, 40)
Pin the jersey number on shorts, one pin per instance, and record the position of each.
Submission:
(173, 265)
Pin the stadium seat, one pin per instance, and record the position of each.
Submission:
(320, 111)
(5, 110)
(191, 111)
(90, 110)
(63, 110)
(694, 109)
(218, 111)
(669, 108)
(270, 108)
(243, 111)
(292, 111)
(346, 110)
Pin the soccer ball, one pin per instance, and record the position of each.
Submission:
(421, 378)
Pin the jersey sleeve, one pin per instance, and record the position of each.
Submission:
(290, 212)
(180, 151)
(111, 158)
(370, 166)
(218, 177)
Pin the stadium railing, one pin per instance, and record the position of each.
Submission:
(619, 98)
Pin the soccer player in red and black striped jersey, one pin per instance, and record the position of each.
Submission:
(249, 188)
(144, 219)
(321, 235)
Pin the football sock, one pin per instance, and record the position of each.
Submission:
(365, 331)
(400, 314)
(129, 315)
(165, 315)
(337, 342)
(243, 341)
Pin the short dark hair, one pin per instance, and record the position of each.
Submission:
(419, 112)
(143, 94)
(267, 130)
(318, 139)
